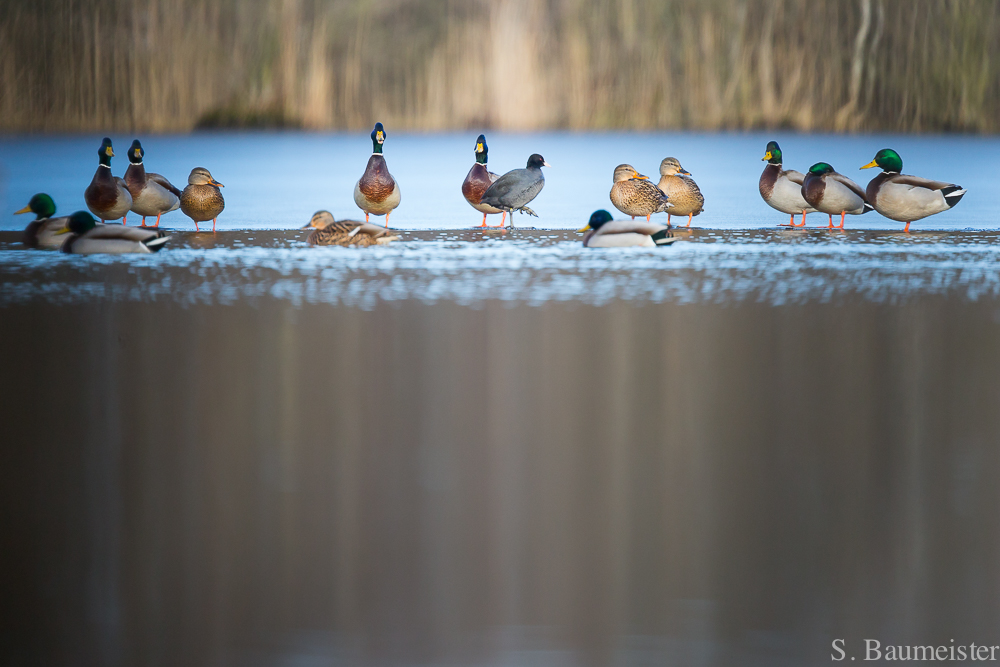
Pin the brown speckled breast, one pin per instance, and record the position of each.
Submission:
(202, 202)
(684, 194)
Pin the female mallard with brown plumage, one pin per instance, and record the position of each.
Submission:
(478, 180)
(43, 231)
(327, 231)
(202, 199)
(107, 196)
(633, 194)
(152, 194)
(907, 198)
(376, 192)
(781, 188)
(680, 188)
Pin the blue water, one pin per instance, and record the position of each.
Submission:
(277, 180)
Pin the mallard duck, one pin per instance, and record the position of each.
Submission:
(782, 189)
(152, 194)
(907, 198)
(478, 180)
(680, 188)
(515, 189)
(603, 232)
(86, 237)
(327, 231)
(107, 196)
(831, 193)
(202, 200)
(377, 192)
(42, 232)
(633, 194)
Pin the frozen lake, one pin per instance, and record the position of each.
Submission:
(277, 180)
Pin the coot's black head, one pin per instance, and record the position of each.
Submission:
(135, 152)
(772, 153)
(536, 161)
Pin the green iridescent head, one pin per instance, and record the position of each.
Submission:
(820, 168)
(888, 159)
(135, 152)
(80, 222)
(378, 138)
(597, 218)
(772, 154)
(41, 205)
(105, 152)
(481, 149)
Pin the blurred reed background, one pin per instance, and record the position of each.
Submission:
(157, 65)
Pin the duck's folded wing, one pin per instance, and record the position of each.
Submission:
(855, 188)
(163, 181)
(371, 230)
(122, 233)
(917, 182)
(630, 227)
(794, 176)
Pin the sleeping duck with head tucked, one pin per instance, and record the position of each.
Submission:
(377, 192)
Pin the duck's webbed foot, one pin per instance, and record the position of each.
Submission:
(525, 209)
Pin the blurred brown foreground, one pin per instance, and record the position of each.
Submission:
(923, 65)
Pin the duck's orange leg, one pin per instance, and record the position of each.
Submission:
(213, 225)
(690, 216)
(196, 226)
(803, 219)
(831, 221)
(842, 214)
(157, 219)
(125, 219)
(387, 220)
(668, 219)
(907, 228)
(648, 217)
(143, 221)
(484, 221)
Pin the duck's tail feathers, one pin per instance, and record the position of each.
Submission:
(953, 194)
(155, 245)
(663, 237)
(867, 207)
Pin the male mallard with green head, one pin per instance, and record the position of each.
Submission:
(107, 196)
(327, 231)
(377, 192)
(603, 232)
(202, 199)
(478, 180)
(680, 188)
(832, 193)
(86, 237)
(781, 189)
(907, 198)
(152, 194)
(633, 194)
(42, 232)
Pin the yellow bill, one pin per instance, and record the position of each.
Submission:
(585, 228)
(26, 209)
(767, 156)
(871, 164)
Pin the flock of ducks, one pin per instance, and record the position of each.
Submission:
(896, 196)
